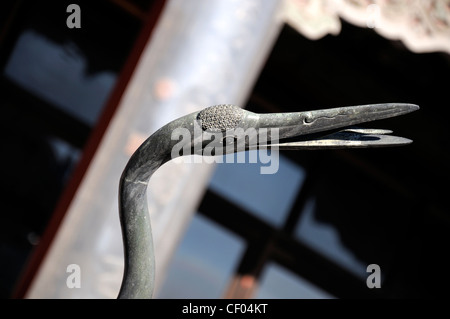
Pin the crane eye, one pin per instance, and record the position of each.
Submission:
(308, 119)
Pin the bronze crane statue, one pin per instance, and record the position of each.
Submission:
(284, 131)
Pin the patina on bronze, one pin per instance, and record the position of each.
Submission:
(296, 131)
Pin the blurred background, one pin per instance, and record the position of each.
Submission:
(77, 101)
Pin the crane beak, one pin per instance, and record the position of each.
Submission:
(300, 130)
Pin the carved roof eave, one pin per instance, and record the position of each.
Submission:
(423, 26)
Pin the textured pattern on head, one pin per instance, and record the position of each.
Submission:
(220, 118)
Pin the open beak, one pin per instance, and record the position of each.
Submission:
(299, 130)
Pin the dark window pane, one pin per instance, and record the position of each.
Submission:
(279, 283)
(203, 263)
(57, 73)
(268, 196)
(324, 238)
